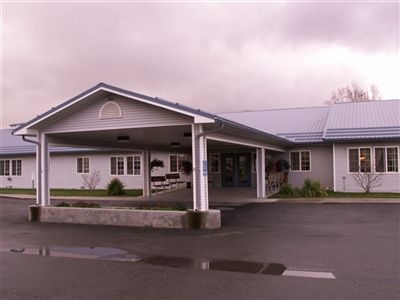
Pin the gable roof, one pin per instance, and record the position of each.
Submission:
(363, 120)
(300, 125)
(345, 121)
(339, 122)
(196, 113)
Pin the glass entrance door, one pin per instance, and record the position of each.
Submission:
(236, 169)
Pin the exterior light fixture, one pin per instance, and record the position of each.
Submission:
(175, 144)
(123, 138)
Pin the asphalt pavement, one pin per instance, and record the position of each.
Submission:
(357, 245)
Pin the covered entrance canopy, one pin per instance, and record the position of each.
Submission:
(109, 117)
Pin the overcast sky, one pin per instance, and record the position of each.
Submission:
(215, 56)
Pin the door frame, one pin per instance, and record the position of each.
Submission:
(236, 182)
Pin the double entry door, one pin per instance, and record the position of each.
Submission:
(236, 169)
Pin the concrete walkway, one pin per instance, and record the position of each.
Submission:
(217, 196)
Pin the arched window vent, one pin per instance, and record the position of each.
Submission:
(110, 110)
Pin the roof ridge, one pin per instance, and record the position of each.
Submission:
(273, 109)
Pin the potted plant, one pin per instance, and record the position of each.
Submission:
(282, 165)
(156, 163)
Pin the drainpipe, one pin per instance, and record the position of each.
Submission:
(37, 143)
(30, 141)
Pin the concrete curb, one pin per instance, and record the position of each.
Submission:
(265, 200)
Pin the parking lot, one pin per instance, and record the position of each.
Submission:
(326, 251)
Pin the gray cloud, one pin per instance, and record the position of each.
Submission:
(216, 56)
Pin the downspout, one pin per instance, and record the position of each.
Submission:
(30, 141)
(37, 143)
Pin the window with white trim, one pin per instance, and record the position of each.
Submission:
(300, 160)
(11, 167)
(117, 165)
(386, 159)
(214, 163)
(175, 162)
(82, 165)
(134, 165)
(359, 160)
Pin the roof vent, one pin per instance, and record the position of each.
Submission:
(110, 110)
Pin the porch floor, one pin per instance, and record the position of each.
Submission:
(217, 196)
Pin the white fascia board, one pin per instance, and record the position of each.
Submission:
(197, 118)
(56, 111)
(245, 143)
(26, 131)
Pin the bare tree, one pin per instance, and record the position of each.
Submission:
(368, 181)
(91, 180)
(355, 93)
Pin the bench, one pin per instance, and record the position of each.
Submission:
(159, 182)
(174, 179)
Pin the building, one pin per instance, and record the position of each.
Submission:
(119, 132)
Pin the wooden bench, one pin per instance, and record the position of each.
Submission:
(159, 182)
(174, 179)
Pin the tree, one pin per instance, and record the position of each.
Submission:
(368, 181)
(355, 93)
(91, 180)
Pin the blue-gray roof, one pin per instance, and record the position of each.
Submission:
(345, 121)
(298, 125)
(363, 120)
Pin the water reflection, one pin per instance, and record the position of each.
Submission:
(117, 254)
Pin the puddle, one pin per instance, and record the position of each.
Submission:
(81, 252)
(116, 254)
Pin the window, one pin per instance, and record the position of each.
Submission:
(82, 165)
(117, 165)
(11, 167)
(392, 159)
(175, 161)
(359, 160)
(300, 161)
(134, 165)
(386, 159)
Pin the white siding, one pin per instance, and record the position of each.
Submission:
(28, 173)
(63, 171)
(345, 181)
(135, 114)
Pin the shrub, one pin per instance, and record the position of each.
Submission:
(63, 204)
(85, 204)
(179, 206)
(287, 189)
(312, 188)
(115, 187)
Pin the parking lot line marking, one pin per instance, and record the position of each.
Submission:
(309, 274)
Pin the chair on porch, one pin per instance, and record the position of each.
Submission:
(159, 182)
(274, 181)
(174, 179)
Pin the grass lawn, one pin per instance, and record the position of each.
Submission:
(72, 192)
(346, 195)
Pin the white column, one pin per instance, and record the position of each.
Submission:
(260, 158)
(44, 171)
(200, 168)
(38, 174)
(146, 174)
